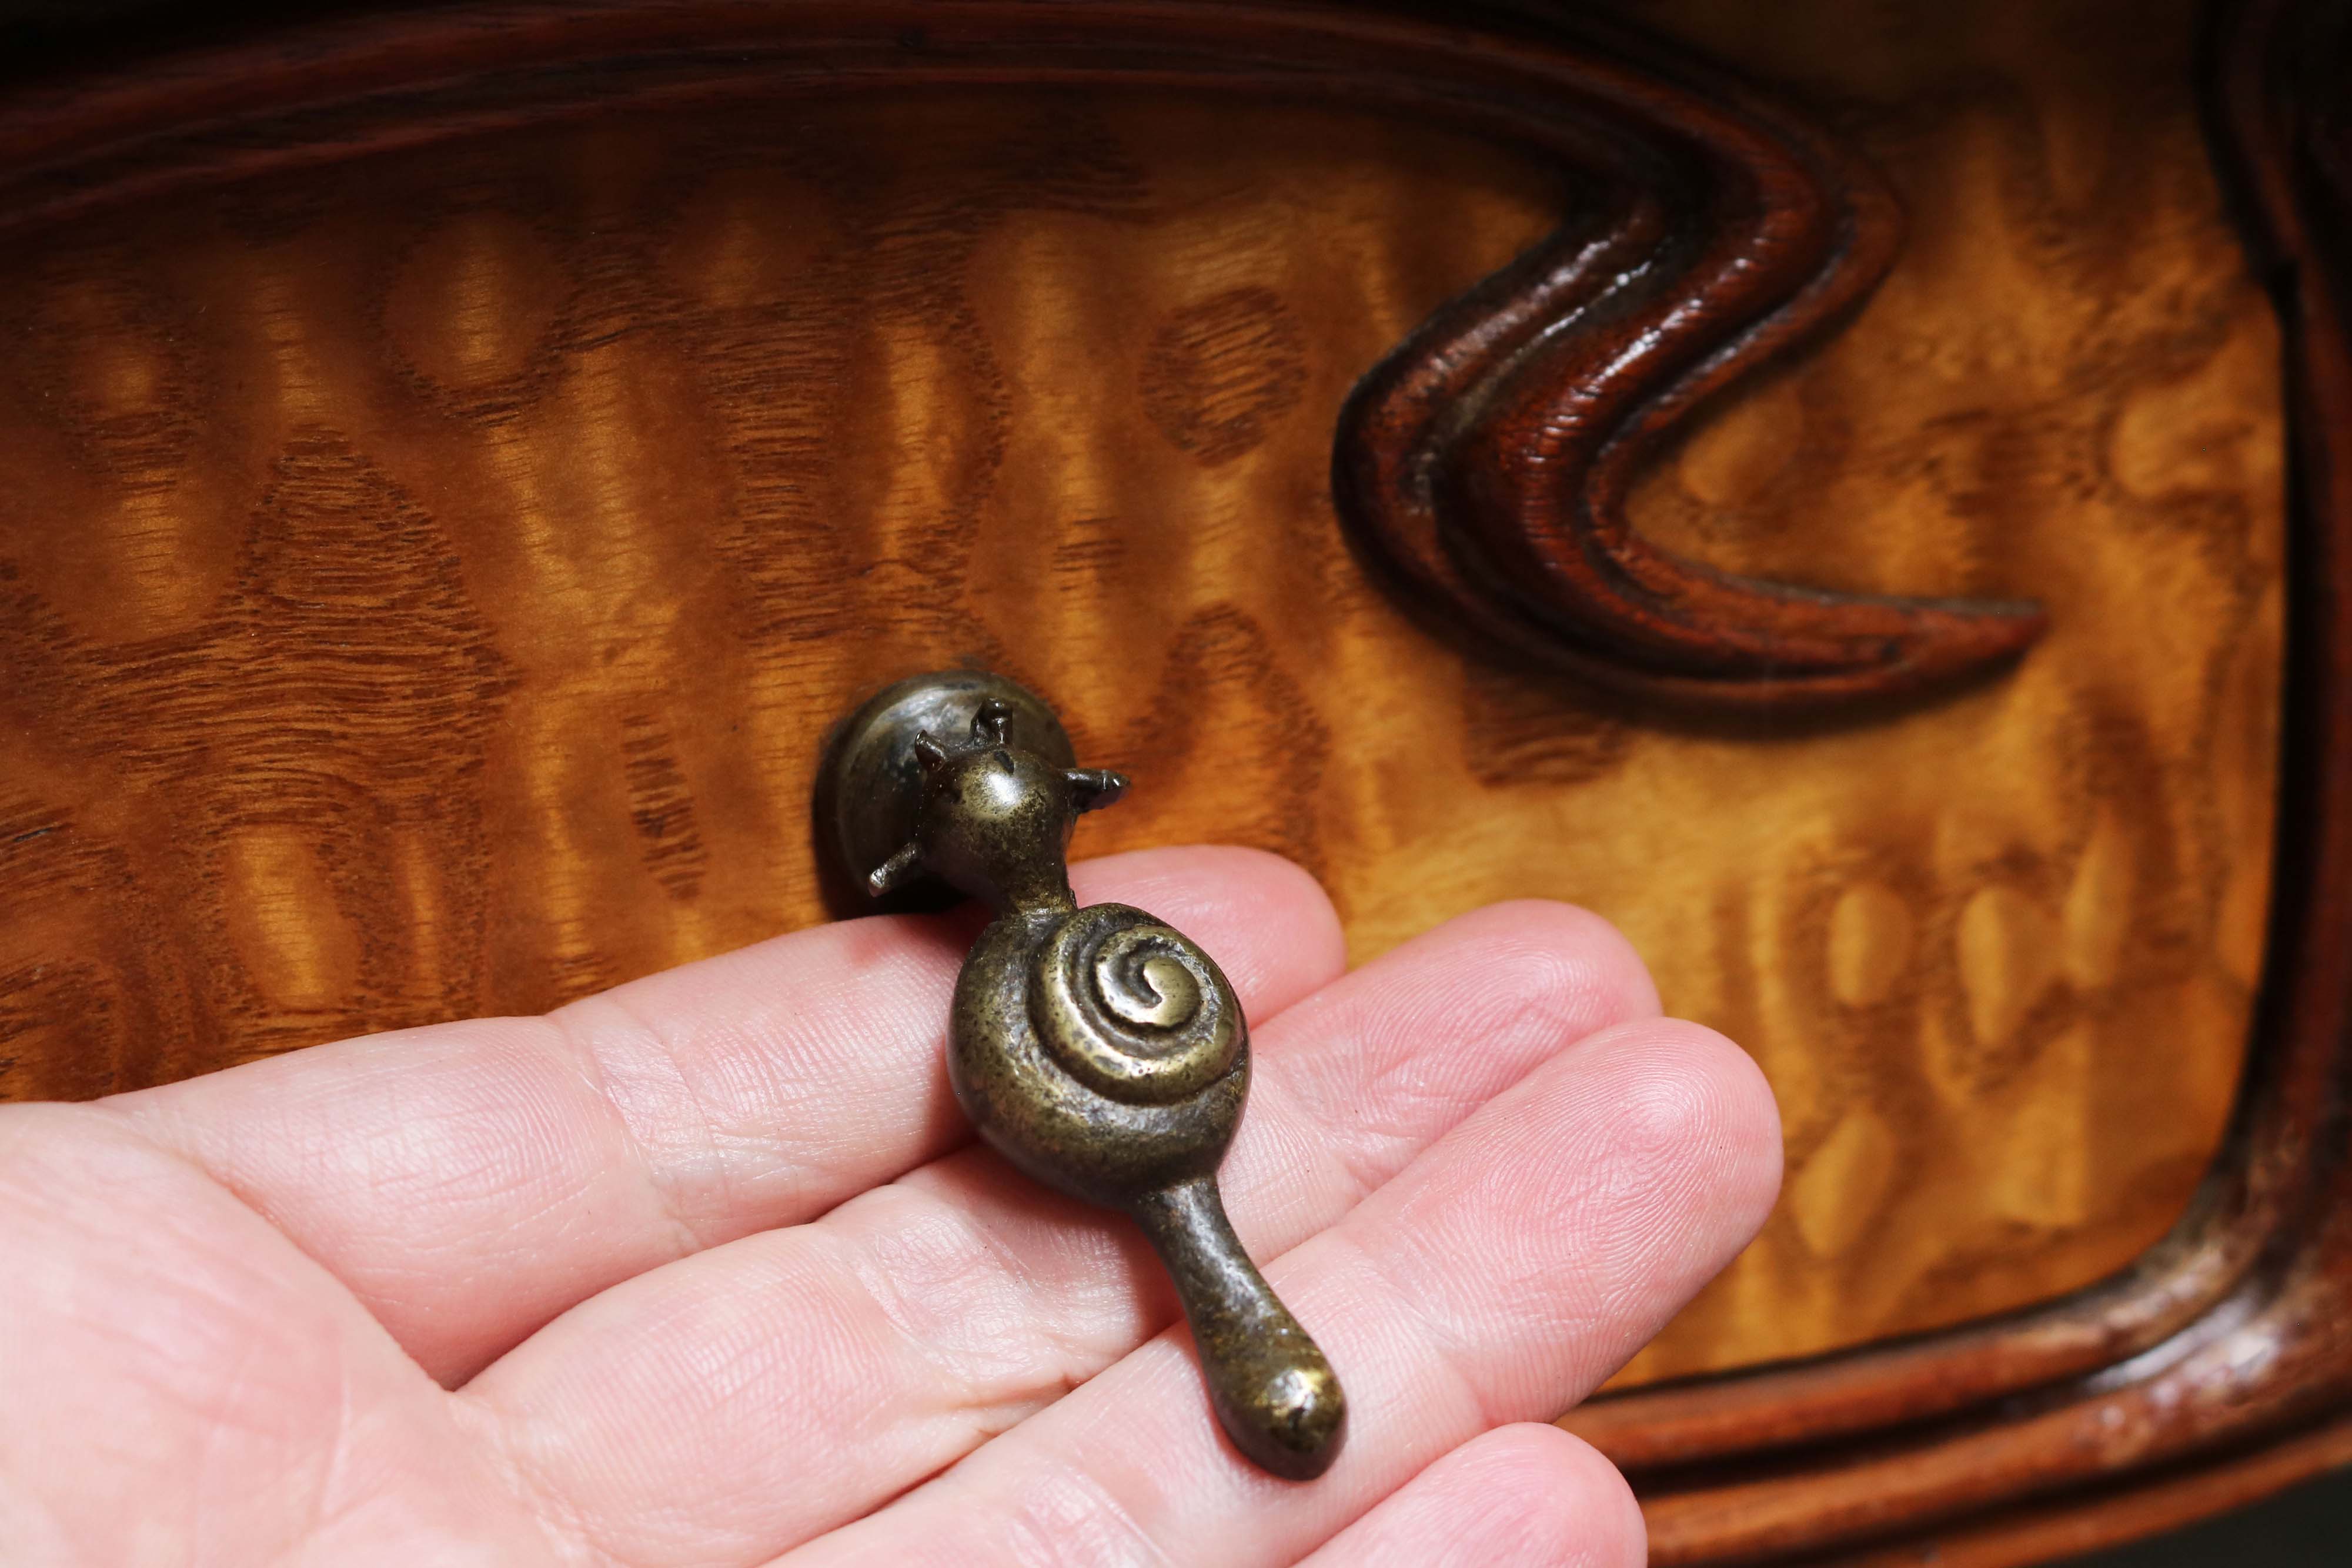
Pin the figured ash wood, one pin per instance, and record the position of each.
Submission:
(671, 433)
(1923, 905)
(2244, 1364)
(667, 439)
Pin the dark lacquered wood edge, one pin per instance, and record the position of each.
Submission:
(2145, 1504)
(2209, 1341)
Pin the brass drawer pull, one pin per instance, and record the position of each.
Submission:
(1099, 1051)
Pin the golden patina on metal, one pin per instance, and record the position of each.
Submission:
(1099, 1050)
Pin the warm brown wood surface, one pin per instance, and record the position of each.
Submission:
(2058, 207)
(2055, 1532)
(2227, 1365)
(427, 581)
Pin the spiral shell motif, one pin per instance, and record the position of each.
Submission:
(1132, 1008)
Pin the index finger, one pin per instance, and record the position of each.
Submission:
(470, 1181)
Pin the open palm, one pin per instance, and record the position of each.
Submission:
(707, 1270)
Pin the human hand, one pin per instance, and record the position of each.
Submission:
(707, 1270)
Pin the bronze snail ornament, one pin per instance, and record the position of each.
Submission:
(1099, 1051)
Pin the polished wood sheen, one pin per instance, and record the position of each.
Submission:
(449, 503)
(2218, 1367)
(2056, 189)
(472, 556)
(1484, 464)
(476, 654)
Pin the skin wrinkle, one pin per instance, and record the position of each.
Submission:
(717, 1359)
(1659, 1176)
(1506, 1143)
(543, 1163)
(629, 1460)
(1009, 1534)
(785, 1295)
(1362, 1166)
(1526, 1494)
(1628, 1171)
(568, 1535)
(23, 1511)
(177, 1177)
(838, 1012)
(777, 1092)
(217, 1435)
(460, 1104)
(1064, 1364)
(886, 1294)
(1051, 1542)
(572, 1028)
(1551, 989)
(1550, 1475)
(139, 1147)
(1449, 1358)
(880, 1296)
(918, 1433)
(333, 1471)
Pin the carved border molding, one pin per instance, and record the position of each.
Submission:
(1484, 465)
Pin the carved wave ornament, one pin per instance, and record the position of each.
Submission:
(1485, 463)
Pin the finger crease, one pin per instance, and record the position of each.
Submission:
(1452, 1358)
(559, 1520)
(587, 1063)
(891, 1303)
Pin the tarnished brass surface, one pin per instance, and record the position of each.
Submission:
(1099, 1051)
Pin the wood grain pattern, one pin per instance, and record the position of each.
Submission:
(2225, 1367)
(468, 546)
(665, 439)
(1923, 905)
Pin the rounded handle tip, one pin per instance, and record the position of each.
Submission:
(1290, 1418)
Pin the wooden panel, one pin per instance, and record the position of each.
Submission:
(2217, 1364)
(2068, 388)
(425, 586)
